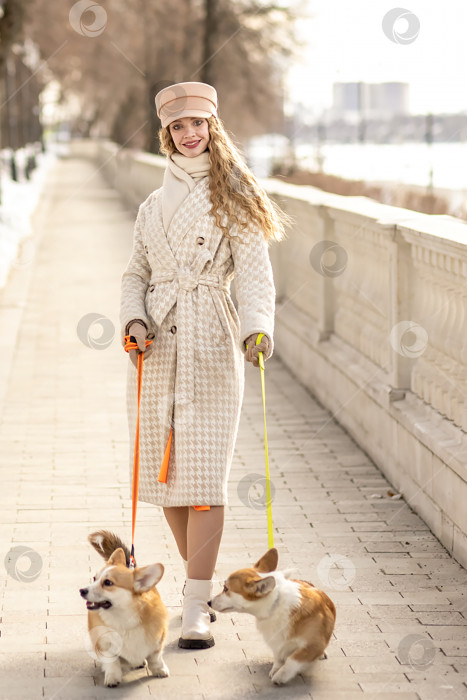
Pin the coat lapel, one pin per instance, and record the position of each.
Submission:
(196, 204)
(162, 249)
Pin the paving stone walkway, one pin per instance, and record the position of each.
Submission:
(400, 598)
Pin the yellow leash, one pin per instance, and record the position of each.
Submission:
(268, 479)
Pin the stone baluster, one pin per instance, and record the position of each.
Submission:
(455, 339)
(426, 311)
(439, 307)
(362, 293)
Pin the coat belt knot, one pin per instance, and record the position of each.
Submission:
(183, 281)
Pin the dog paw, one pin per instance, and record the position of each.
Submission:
(111, 682)
(160, 671)
(112, 674)
(281, 676)
(274, 669)
(277, 680)
(324, 656)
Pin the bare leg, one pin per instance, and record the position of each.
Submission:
(204, 534)
(177, 519)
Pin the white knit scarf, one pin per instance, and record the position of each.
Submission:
(180, 177)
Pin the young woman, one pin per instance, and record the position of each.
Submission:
(208, 223)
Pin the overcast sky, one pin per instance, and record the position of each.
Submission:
(345, 42)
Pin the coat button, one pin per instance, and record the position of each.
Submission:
(173, 330)
(146, 249)
(151, 288)
(200, 240)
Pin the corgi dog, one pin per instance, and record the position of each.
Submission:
(127, 619)
(295, 618)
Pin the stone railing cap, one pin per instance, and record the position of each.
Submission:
(444, 227)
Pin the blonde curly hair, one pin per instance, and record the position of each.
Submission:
(235, 195)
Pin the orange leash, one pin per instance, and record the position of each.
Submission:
(131, 345)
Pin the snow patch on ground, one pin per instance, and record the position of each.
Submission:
(19, 199)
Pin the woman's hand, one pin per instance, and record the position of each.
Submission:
(253, 350)
(139, 333)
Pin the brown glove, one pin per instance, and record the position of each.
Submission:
(253, 350)
(139, 333)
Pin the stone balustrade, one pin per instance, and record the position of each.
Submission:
(375, 300)
(372, 318)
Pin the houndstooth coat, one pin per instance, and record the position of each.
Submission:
(178, 283)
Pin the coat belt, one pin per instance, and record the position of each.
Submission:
(183, 281)
(188, 282)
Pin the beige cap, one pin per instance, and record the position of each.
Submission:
(186, 100)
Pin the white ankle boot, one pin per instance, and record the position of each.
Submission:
(212, 614)
(196, 633)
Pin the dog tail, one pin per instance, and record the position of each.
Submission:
(105, 543)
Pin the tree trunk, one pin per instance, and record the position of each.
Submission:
(207, 74)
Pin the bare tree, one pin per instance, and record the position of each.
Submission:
(12, 14)
(239, 46)
(19, 114)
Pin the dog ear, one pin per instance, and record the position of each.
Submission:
(146, 577)
(268, 561)
(263, 586)
(117, 557)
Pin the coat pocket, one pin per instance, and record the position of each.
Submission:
(215, 327)
(218, 324)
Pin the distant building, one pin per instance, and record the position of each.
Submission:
(370, 100)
